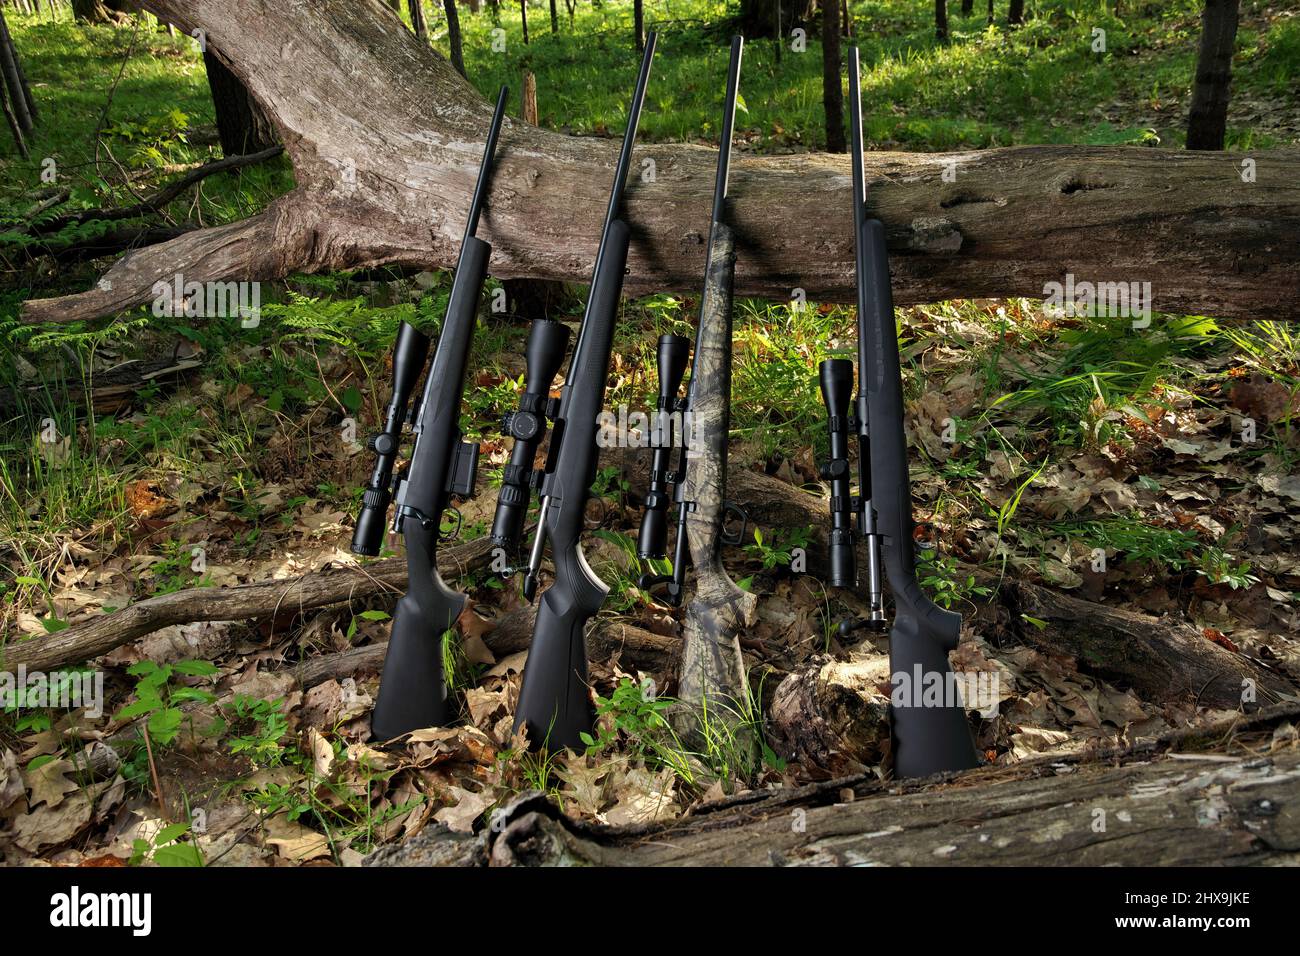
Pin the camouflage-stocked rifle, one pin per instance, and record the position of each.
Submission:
(412, 690)
(927, 738)
(712, 674)
(554, 704)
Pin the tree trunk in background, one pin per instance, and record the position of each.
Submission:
(418, 24)
(242, 125)
(967, 7)
(832, 85)
(14, 127)
(759, 18)
(1207, 120)
(523, 17)
(453, 35)
(555, 18)
(941, 19)
(91, 11)
(990, 12)
(1016, 12)
(1016, 218)
(846, 19)
(20, 94)
(638, 22)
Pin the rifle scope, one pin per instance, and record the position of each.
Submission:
(409, 353)
(652, 542)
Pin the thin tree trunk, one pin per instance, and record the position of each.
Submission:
(967, 7)
(638, 24)
(418, 24)
(242, 125)
(7, 38)
(13, 82)
(990, 12)
(14, 126)
(523, 17)
(941, 20)
(832, 87)
(555, 18)
(453, 36)
(1016, 12)
(528, 99)
(1208, 117)
(846, 19)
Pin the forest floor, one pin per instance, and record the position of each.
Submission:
(1149, 469)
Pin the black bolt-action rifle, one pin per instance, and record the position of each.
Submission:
(412, 690)
(712, 673)
(927, 738)
(553, 700)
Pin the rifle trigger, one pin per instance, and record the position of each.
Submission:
(733, 537)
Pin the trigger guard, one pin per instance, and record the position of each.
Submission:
(736, 537)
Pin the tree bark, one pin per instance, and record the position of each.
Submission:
(1207, 120)
(453, 36)
(941, 20)
(1014, 220)
(555, 18)
(967, 7)
(1210, 798)
(638, 24)
(242, 125)
(523, 18)
(832, 85)
(1016, 12)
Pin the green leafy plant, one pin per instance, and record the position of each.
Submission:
(166, 848)
(778, 550)
(158, 698)
(940, 576)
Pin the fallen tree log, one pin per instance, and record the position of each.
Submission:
(1175, 802)
(99, 635)
(382, 178)
(1160, 659)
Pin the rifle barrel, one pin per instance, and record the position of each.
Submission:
(485, 168)
(728, 125)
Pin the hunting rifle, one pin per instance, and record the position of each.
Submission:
(927, 737)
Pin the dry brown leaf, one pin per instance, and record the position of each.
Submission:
(49, 783)
(295, 842)
(46, 826)
(469, 807)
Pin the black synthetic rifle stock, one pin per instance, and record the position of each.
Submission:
(712, 671)
(927, 737)
(553, 700)
(412, 690)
